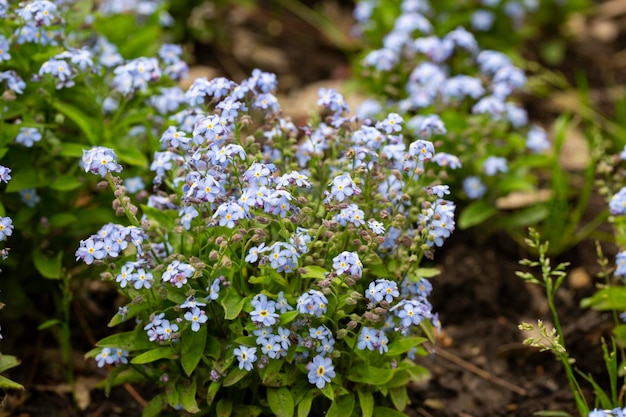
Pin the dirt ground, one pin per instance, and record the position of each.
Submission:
(480, 366)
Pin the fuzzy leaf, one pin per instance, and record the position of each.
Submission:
(304, 406)
(399, 397)
(66, 183)
(280, 401)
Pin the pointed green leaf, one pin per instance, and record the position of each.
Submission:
(304, 406)
(234, 376)
(84, 122)
(233, 304)
(187, 396)
(399, 397)
(26, 178)
(192, 349)
(241, 410)
(366, 401)
(370, 375)
(6, 383)
(328, 392)
(212, 391)
(66, 183)
(167, 352)
(476, 213)
(224, 407)
(387, 412)
(155, 406)
(314, 271)
(48, 267)
(280, 401)
(8, 362)
(342, 406)
(47, 324)
(404, 345)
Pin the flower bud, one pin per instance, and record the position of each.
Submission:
(352, 325)
(213, 255)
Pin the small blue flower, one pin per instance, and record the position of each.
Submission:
(100, 160)
(321, 371)
(196, 317)
(474, 187)
(246, 357)
(28, 136)
(29, 197)
(264, 310)
(134, 185)
(6, 227)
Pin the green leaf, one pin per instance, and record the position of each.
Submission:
(288, 317)
(271, 370)
(167, 352)
(370, 375)
(47, 324)
(165, 218)
(280, 401)
(132, 156)
(121, 376)
(187, 396)
(66, 183)
(241, 410)
(48, 267)
(83, 121)
(192, 348)
(525, 217)
(74, 150)
(8, 362)
(404, 345)
(233, 304)
(610, 298)
(224, 407)
(424, 273)
(304, 406)
(314, 271)
(476, 213)
(366, 401)
(60, 220)
(25, 179)
(342, 406)
(172, 395)
(387, 412)
(399, 397)
(155, 406)
(6, 383)
(234, 376)
(131, 341)
(400, 379)
(212, 391)
(328, 392)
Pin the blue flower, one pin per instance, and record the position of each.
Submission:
(6, 227)
(246, 357)
(368, 338)
(347, 263)
(474, 187)
(620, 262)
(4, 49)
(126, 274)
(421, 149)
(100, 160)
(196, 317)
(392, 124)
(321, 371)
(264, 310)
(29, 197)
(537, 140)
(282, 304)
(214, 290)
(187, 214)
(342, 187)
(89, 250)
(143, 279)
(376, 226)
(312, 302)
(165, 330)
(617, 204)
(28, 136)
(134, 185)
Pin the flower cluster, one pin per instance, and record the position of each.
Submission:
(273, 255)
